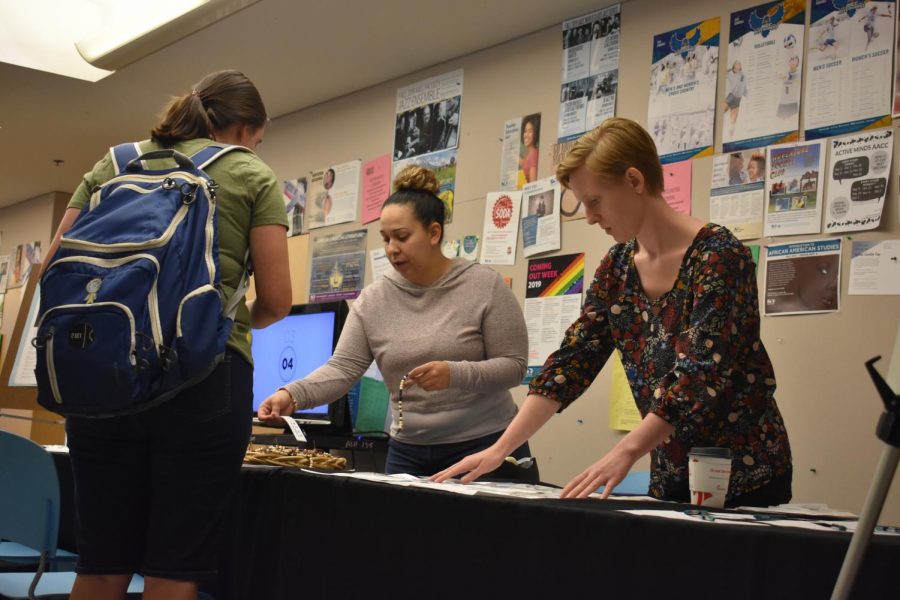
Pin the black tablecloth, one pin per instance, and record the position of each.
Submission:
(293, 534)
(298, 535)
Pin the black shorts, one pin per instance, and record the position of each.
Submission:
(151, 489)
(732, 101)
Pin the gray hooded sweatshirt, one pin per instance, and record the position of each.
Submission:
(468, 318)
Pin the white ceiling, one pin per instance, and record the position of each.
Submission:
(299, 53)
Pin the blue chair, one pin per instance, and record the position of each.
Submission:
(29, 516)
(636, 483)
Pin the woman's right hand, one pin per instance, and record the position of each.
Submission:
(275, 406)
(475, 465)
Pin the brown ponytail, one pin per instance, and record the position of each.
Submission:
(215, 103)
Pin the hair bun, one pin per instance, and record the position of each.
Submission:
(415, 177)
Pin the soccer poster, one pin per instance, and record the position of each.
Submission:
(849, 67)
(763, 71)
(682, 108)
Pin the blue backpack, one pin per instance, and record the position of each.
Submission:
(131, 306)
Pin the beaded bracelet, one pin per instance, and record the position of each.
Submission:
(400, 404)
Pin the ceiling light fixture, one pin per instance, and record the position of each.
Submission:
(136, 29)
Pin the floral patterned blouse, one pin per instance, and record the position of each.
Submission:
(693, 357)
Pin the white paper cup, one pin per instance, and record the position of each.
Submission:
(709, 470)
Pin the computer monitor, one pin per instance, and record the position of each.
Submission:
(295, 347)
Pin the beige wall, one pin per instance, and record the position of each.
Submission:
(24, 223)
(828, 402)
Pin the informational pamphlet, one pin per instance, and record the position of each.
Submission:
(427, 115)
(849, 67)
(803, 277)
(682, 107)
(794, 190)
(874, 268)
(859, 165)
(380, 263)
(333, 195)
(501, 228)
(763, 71)
(623, 412)
(5, 268)
(552, 303)
(590, 71)
(540, 217)
(443, 164)
(737, 193)
(338, 267)
(677, 181)
(294, 191)
(521, 152)
(376, 187)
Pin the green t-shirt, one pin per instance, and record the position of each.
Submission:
(248, 196)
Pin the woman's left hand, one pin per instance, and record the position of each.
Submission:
(609, 471)
(431, 377)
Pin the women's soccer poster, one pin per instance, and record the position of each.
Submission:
(761, 105)
(682, 109)
(849, 67)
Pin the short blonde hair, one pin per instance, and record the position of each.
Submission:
(611, 149)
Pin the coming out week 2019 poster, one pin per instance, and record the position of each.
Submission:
(552, 303)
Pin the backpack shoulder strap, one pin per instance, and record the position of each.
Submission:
(123, 154)
(202, 159)
(205, 157)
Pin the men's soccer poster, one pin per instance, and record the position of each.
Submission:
(682, 109)
(849, 67)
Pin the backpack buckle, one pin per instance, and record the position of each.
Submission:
(168, 357)
(40, 341)
(211, 187)
(188, 192)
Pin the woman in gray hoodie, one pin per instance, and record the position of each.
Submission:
(449, 331)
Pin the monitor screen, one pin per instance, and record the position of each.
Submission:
(295, 347)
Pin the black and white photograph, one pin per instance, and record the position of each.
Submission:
(429, 128)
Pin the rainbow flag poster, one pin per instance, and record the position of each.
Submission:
(555, 276)
(552, 303)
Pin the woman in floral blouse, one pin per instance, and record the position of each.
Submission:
(678, 299)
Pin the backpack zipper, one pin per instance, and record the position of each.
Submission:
(130, 246)
(119, 305)
(51, 369)
(200, 290)
(153, 301)
(95, 197)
